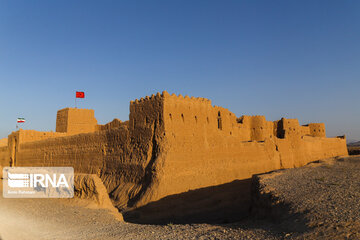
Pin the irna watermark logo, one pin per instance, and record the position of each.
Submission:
(38, 182)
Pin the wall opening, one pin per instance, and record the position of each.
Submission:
(182, 117)
(219, 121)
(170, 116)
(196, 119)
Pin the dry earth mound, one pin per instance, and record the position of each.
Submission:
(318, 201)
(90, 187)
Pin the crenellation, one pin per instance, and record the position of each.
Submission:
(165, 94)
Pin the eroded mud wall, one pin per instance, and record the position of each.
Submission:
(124, 157)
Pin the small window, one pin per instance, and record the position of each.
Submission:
(219, 121)
(182, 117)
(196, 119)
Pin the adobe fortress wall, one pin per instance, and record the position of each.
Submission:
(209, 145)
(171, 144)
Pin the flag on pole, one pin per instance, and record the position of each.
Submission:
(80, 94)
(21, 120)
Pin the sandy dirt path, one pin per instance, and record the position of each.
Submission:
(51, 219)
(70, 219)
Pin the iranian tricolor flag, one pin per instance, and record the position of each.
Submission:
(21, 120)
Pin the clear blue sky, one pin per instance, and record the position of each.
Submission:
(293, 59)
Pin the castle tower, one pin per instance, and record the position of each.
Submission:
(75, 121)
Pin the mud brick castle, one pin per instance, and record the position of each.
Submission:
(169, 145)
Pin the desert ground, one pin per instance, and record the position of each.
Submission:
(74, 219)
(317, 201)
(354, 150)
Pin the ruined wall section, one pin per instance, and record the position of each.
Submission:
(291, 128)
(116, 123)
(317, 129)
(288, 128)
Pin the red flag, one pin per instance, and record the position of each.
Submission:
(80, 94)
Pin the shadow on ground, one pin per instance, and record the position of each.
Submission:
(237, 202)
(224, 203)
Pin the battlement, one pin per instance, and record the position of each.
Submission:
(165, 95)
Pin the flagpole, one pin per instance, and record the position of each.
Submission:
(75, 100)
